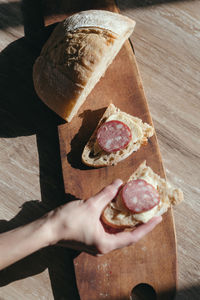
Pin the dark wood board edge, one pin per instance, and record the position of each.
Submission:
(158, 168)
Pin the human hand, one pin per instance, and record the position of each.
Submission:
(77, 224)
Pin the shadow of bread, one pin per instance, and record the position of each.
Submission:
(90, 120)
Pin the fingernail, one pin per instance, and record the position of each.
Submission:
(158, 219)
(118, 182)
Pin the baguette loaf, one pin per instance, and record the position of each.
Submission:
(94, 156)
(117, 215)
(75, 57)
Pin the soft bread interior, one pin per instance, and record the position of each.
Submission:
(96, 157)
(116, 215)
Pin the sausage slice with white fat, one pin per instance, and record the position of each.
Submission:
(139, 196)
(113, 136)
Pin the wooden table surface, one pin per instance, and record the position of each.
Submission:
(166, 42)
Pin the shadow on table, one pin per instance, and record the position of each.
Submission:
(10, 12)
(190, 293)
(142, 3)
(145, 292)
(23, 113)
(31, 13)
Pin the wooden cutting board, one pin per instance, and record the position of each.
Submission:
(152, 260)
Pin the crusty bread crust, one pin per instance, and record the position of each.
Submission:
(103, 158)
(169, 195)
(75, 57)
(99, 18)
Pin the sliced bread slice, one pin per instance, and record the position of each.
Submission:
(94, 156)
(117, 216)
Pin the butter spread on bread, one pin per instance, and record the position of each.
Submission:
(76, 55)
(93, 155)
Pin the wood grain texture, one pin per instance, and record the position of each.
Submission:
(124, 268)
(166, 42)
(122, 86)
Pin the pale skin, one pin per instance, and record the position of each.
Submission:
(76, 225)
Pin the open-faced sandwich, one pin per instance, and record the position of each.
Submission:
(144, 196)
(117, 136)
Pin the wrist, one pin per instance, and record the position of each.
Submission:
(44, 232)
(24, 240)
(55, 227)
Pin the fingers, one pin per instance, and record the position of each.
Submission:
(123, 239)
(101, 199)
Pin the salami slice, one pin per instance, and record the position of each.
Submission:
(139, 196)
(113, 136)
